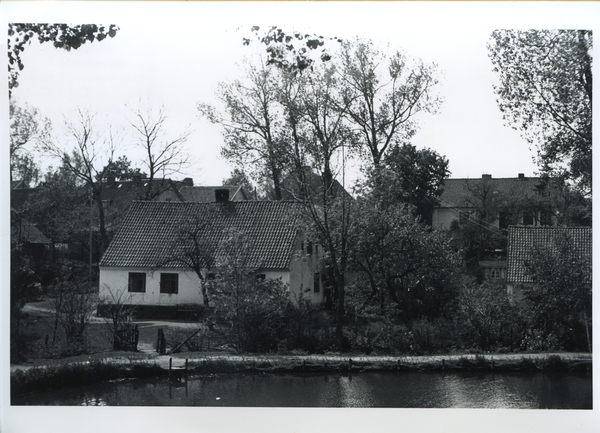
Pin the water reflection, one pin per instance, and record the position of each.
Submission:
(383, 389)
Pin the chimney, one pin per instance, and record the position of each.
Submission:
(221, 195)
(521, 176)
(188, 181)
(486, 176)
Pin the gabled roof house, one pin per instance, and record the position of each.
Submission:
(141, 263)
(461, 198)
(523, 242)
(203, 194)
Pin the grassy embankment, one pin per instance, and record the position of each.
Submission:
(78, 373)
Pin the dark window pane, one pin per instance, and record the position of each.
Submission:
(169, 283)
(137, 282)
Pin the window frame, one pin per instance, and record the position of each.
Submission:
(169, 278)
(136, 277)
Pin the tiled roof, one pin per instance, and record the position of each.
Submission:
(522, 241)
(290, 187)
(206, 194)
(23, 231)
(148, 236)
(457, 192)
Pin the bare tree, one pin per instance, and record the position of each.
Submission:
(252, 124)
(91, 160)
(165, 155)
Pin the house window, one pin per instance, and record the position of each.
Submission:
(528, 218)
(316, 282)
(169, 283)
(495, 273)
(137, 282)
(309, 247)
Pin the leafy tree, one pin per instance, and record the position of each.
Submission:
(408, 175)
(91, 161)
(61, 35)
(560, 301)
(164, 156)
(249, 311)
(403, 265)
(238, 177)
(476, 230)
(294, 52)
(27, 126)
(382, 105)
(252, 125)
(545, 92)
(487, 309)
(61, 208)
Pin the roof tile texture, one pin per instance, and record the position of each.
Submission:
(522, 241)
(150, 235)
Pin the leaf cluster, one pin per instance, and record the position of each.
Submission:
(545, 92)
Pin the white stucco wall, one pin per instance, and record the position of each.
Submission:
(302, 268)
(114, 285)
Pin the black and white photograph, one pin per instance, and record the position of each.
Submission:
(298, 216)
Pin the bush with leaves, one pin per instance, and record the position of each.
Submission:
(487, 311)
(74, 304)
(559, 303)
(248, 310)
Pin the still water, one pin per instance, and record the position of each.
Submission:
(369, 389)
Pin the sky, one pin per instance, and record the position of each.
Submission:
(175, 54)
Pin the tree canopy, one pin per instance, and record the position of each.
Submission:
(545, 92)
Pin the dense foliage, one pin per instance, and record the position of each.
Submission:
(545, 92)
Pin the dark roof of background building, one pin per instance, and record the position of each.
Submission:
(130, 190)
(290, 187)
(149, 236)
(523, 241)
(23, 231)
(458, 192)
(206, 194)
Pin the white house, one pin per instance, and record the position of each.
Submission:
(144, 264)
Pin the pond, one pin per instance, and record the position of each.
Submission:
(507, 390)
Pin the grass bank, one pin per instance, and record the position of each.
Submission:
(80, 373)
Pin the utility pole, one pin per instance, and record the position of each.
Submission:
(91, 236)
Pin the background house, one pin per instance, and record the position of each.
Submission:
(499, 202)
(202, 194)
(523, 242)
(147, 262)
